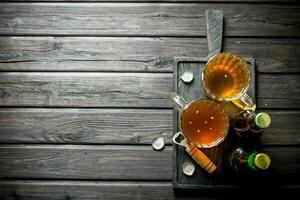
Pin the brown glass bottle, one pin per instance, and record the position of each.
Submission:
(248, 120)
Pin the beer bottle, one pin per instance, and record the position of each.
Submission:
(248, 120)
(240, 160)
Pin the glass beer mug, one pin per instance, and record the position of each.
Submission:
(227, 77)
(204, 124)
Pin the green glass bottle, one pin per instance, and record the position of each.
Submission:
(250, 122)
(240, 160)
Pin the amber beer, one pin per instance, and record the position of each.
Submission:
(226, 77)
(204, 123)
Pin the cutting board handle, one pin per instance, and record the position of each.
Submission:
(214, 27)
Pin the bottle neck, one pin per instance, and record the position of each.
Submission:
(251, 162)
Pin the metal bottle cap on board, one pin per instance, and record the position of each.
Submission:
(188, 168)
(187, 77)
(158, 143)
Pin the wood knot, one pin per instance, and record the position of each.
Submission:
(4, 93)
(159, 63)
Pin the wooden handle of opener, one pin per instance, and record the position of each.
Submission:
(201, 158)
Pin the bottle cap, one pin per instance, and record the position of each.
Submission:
(263, 120)
(158, 143)
(262, 161)
(259, 161)
(188, 168)
(187, 77)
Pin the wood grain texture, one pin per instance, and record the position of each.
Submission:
(151, 19)
(85, 162)
(116, 162)
(85, 89)
(125, 190)
(116, 126)
(147, 90)
(98, 126)
(285, 91)
(92, 190)
(135, 54)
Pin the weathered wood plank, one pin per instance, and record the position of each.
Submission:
(89, 190)
(151, 19)
(101, 126)
(284, 91)
(135, 54)
(147, 90)
(85, 162)
(115, 126)
(94, 190)
(85, 89)
(116, 162)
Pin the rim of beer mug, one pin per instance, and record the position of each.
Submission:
(219, 140)
(213, 96)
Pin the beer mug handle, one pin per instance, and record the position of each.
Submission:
(178, 101)
(245, 102)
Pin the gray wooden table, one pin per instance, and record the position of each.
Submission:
(84, 90)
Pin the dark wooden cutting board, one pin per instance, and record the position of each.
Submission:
(218, 155)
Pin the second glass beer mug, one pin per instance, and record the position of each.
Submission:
(204, 124)
(227, 77)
